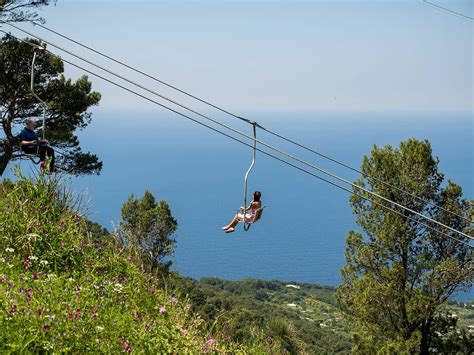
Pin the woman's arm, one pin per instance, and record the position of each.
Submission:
(249, 207)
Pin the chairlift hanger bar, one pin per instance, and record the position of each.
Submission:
(254, 156)
(32, 86)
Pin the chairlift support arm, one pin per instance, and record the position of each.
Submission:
(254, 124)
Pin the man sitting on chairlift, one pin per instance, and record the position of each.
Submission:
(31, 144)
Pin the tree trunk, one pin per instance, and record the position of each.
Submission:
(5, 158)
(425, 344)
(9, 139)
(425, 337)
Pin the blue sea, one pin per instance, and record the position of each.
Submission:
(301, 236)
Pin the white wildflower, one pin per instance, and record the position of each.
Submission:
(32, 237)
(33, 258)
(44, 262)
(118, 288)
(2, 260)
(51, 276)
(70, 279)
(9, 250)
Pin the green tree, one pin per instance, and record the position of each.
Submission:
(284, 331)
(399, 275)
(23, 8)
(95, 230)
(148, 228)
(68, 104)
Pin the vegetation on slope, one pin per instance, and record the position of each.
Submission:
(302, 318)
(63, 290)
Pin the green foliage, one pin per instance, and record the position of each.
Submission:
(397, 277)
(286, 333)
(24, 8)
(147, 228)
(313, 326)
(29, 225)
(68, 103)
(62, 290)
(95, 230)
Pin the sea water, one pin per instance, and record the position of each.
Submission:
(301, 236)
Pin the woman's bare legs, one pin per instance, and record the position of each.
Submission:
(233, 223)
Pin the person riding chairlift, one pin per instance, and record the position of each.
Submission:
(31, 144)
(251, 216)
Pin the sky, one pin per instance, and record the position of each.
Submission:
(274, 56)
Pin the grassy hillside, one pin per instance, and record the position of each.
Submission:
(303, 317)
(313, 322)
(62, 290)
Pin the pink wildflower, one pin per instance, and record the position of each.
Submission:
(162, 310)
(211, 341)
(26, 263)
(174, 300)
(184, 331)
(12, 310)
(127, 347)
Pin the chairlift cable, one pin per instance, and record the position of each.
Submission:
(286, 154)
(36, 23)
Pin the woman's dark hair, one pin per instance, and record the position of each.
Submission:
(256, 196)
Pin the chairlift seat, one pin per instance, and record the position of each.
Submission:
(258, 215)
